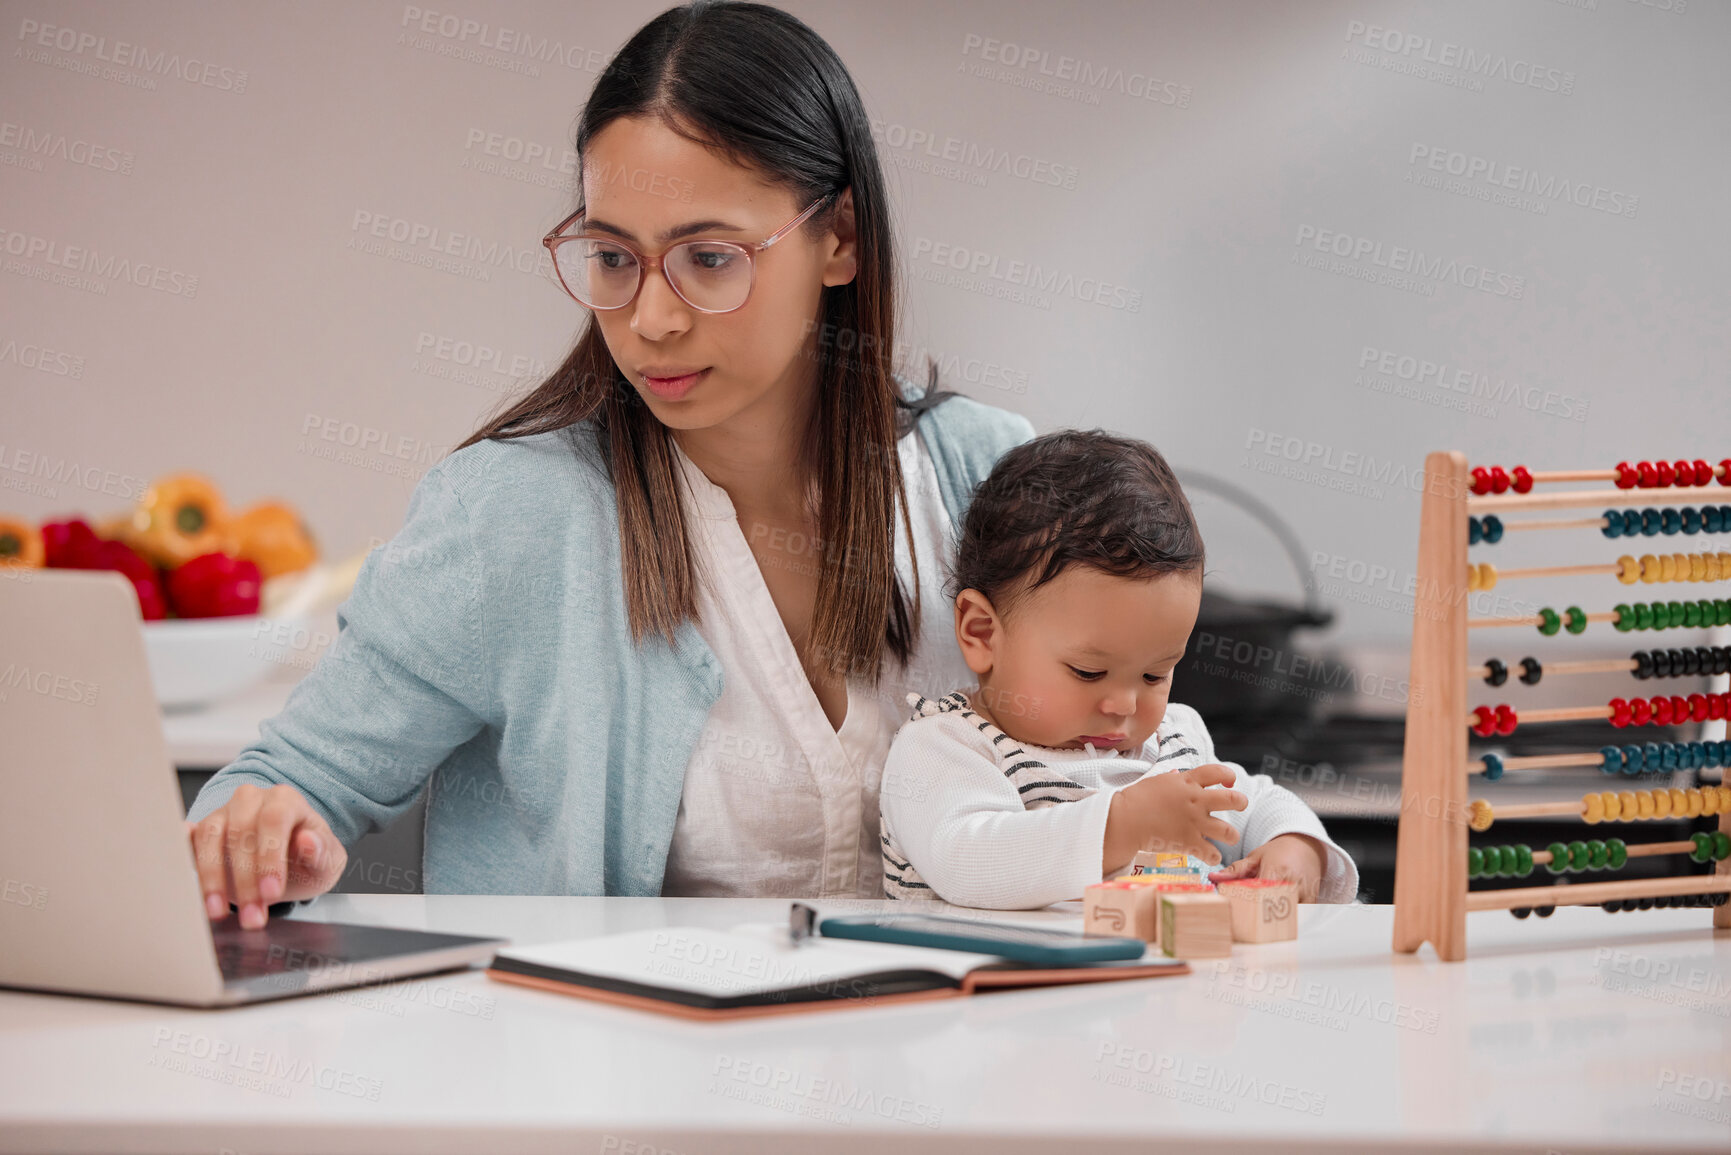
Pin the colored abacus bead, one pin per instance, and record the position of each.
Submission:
(1596, 855)
(1651, 520)
(1531, 671)
(1523, 860)
(1616, 853)
(1474, 533)
(1484, 721)
(1493, 767)
(1522, 479)
(1724, 472)
(1610, 759)
(1649, 477)
(1620, 713)
(1577, 620)
(1613, 526)
(1625, 617)
(1666, 473)
(1577, 855)
(1703, 851)
(1495, 672)
(1548, 622)
(1507, 720)
(1493, 529)
(1493, 861)
(1499, 479)
(1559, 863)
(1632, 760)
(1626, 475)
(1475, 862)
(1481, 480)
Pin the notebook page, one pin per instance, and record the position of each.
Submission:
(750, 959)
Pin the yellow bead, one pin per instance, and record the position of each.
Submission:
(1681, 567)
(1472, 576)
(1709, 800)
(1628, 570)
(1725, 566)
(1628, 805)
(1649, 568)
(1595, 809)
(1667, 568)
(1482, 815)
(1697, 567)
(1488, 577)
(1692, 799)
(1679, 801)
(1613, 807)
(1709, 567)
(1724, 797)
(1650, 804)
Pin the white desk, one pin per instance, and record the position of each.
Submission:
(1530, 1045)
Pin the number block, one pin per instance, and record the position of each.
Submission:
(1263, 909)
(1119, 910)
(1195, 924)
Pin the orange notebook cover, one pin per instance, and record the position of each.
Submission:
(706, 975)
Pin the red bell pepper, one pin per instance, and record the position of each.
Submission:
(70, 544)
(214, 585)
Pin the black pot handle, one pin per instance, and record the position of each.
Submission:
(1314, 612)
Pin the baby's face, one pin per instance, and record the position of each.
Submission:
(1086, 657)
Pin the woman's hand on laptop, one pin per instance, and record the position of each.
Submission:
(260, 847)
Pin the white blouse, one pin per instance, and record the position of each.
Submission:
(776, 801)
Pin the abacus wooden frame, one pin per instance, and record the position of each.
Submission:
(1431, 896)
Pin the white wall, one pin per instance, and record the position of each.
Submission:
(1604, 335)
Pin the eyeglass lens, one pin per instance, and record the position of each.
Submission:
(604, 275)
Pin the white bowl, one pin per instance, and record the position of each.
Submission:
(196, 661)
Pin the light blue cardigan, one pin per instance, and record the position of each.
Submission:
(487, 645)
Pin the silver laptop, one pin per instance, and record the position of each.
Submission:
(98, 891)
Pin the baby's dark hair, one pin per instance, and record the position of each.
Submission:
(1074, 498)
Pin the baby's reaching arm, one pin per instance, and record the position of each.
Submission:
(962, 824)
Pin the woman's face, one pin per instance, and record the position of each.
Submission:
(645, 181)
(1085, 657)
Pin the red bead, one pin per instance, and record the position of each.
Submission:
(1507, 720)
(1679, 708)
(1649, 476)
(1484, 721)
(1641, 711)
(1666, 474)
(1698, 707)
(1684, 472)
(1499, 480)
(1703, 472)
(1725, 472)
(1481, 480)
(1619, 713)
(1523, 479)
(1717, 705)
(1662, 715)
(1626, 475)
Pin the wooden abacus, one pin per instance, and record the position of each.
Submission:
(1463, 507)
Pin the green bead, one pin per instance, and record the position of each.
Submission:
(1643, 616)
(1475, 862)
(1523, 860)
(1625, 618)
(1661, 616)
(1548, 622)
(1577, 620)
(1703, 847)
(1559, 862)
(1676, 609)
(1617, 852)
(1692, 615)
(1493, 860)
(1596, 854)
(1577, 855)
(1723, 605)
(1721, 846)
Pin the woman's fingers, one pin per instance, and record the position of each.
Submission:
(316, 860)
(208, 839)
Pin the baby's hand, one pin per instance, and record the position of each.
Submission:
(1172, 812)
(1291, 857)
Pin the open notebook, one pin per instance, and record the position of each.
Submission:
(754, 969)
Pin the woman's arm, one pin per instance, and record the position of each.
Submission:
(963, 827)
(404, 683)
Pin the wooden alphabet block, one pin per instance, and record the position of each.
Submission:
(1195, 924)
(1112, 908)
(1263, 909)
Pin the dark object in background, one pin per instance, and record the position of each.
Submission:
(1242, 661)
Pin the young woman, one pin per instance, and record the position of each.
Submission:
(649, 630)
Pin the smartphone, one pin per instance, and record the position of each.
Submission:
(1030, 944)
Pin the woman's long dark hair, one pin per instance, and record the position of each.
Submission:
(762, 87)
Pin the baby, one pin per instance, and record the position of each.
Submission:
(1079, 578)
